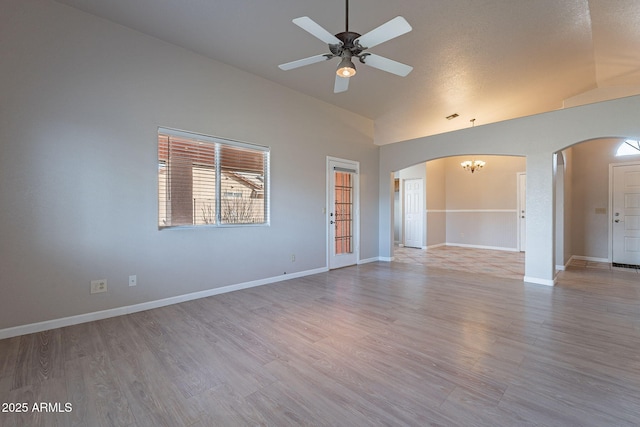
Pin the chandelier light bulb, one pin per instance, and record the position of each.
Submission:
(472, 166)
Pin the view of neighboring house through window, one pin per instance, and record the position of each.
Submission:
(204, 180)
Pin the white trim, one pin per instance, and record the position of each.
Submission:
(588, 258)
(495, 248)
(119, 311)
(355, 165)
(611, 166)
(386, 258)
(519, 245)
(211, 139)
(581, 258)
(539, 281)
(565, 266)
(423, 223)
(368, 260)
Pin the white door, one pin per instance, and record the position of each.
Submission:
(522, 211)
(413, 213)
(626, 215)
(343, 213)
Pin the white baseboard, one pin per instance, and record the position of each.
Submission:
(539, 281)
(119, 311)
(368, 260)
(588, 258)
(495, 248)
(386, 258)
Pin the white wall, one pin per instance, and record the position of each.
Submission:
(535, 137)
(82, 99)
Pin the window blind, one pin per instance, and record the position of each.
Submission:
(205, 180)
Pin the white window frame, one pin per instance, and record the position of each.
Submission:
(219, 193)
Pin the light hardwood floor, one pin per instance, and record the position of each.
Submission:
(378, 344)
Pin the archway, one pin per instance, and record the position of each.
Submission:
(471, 219)
(583, 205)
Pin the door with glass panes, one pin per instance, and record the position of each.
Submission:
(343, 212)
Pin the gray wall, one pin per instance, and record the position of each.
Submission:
(436, 202)
(467, 209)
(482, 207)
(82, 99)
(537, 138)
(590, 196)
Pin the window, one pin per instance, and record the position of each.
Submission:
(629, 147)
(204, 180)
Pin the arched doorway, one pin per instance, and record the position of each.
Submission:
(471, 219)
(584, 206)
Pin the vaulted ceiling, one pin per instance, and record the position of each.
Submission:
(488, 60)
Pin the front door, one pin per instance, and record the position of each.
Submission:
(413, 213)
(626, 215)
(343, 213)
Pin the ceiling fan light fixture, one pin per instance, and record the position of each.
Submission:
(346, 68)
(349, 44)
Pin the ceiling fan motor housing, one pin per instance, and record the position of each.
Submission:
(348, 39)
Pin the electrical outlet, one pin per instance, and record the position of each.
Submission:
(133, 280)
(293, 257)
(98, 286)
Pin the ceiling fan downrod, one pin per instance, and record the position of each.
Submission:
(346, 19)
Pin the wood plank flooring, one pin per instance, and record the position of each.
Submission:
(379, 344)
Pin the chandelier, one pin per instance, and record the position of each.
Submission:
(472, 165)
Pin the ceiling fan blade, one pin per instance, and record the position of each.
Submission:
(341, 84)
(387, 31)
(388, 65)
(302, 62)
(310, 26)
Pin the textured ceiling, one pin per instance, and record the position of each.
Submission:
(490, 60)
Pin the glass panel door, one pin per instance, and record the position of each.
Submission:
(343, 209)
(343, 213)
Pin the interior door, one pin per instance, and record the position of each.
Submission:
(413, 213)
(626, 215)
(522, 211)
(343, 213)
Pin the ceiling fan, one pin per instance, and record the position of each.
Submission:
(348, 45)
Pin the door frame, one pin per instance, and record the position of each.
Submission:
(521, 245)
(422, 212)
(355, 165)
(610, 239)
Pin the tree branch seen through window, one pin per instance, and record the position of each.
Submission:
(210, 181)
